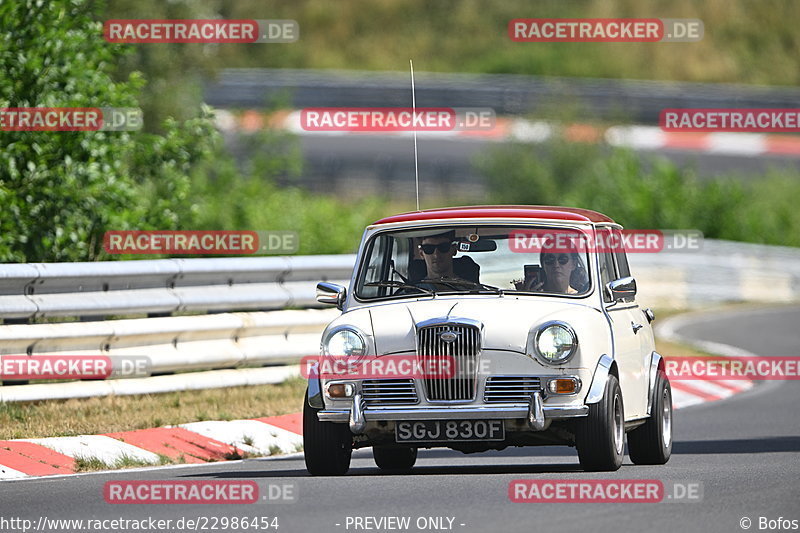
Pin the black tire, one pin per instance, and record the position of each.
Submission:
(394, 457)
(327, 446)
(651, 443)
(600, 437)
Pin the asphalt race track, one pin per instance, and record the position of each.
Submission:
(745, 451)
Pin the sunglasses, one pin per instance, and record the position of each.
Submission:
(443, 247)
(563, 259)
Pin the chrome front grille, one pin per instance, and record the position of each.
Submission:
(465, 350)
(509, 389)
(389, 392)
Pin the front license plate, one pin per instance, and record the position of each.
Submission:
(449, 430)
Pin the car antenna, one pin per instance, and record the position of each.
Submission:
(414, 125)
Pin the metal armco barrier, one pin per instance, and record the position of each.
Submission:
(36, 290)
(213, 379)
(176, 344)
(720, 272)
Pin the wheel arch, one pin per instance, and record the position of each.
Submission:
(606, 366)
(657, 368)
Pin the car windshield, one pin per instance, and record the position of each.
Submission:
(534, 260)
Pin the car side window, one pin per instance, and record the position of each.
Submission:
(377, 267)
(606, 258)
(623, 270)
(607, 274)
(401, 251)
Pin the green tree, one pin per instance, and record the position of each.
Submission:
(174, 71)
(643, 192)
(60, 191)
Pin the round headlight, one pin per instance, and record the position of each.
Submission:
(556, 343)
(345, 342)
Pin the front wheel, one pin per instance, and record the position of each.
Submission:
(394, 457)
(600, 437)
(651, 443)
(327, 446)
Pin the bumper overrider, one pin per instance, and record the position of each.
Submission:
(537, 415)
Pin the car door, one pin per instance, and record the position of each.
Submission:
(626, 320)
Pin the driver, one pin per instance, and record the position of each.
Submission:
(437, 267)
(438, 252)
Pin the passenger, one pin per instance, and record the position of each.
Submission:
(560, 271)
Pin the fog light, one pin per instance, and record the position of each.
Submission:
(341, 390)
(563, 386)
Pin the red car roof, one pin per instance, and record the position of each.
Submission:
(544, 212)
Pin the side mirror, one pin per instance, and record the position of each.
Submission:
(331, 294)
(622, 289)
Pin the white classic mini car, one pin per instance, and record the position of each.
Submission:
(543, 340)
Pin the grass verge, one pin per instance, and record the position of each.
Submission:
(90, 416)
(93, 464)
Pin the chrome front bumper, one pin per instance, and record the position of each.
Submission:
(534, 412)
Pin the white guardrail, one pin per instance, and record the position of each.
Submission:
(249, 326)
(37, 290)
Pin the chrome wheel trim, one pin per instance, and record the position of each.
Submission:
(619, 426)
(666, 417)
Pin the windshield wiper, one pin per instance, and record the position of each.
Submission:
(397, 284)
(491, 288)
(457, 283)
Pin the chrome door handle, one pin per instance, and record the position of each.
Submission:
(636, 327)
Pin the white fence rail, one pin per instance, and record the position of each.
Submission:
(176, 344)
(720, 272)
(106, 288)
